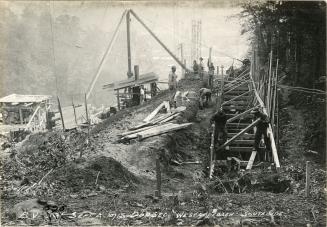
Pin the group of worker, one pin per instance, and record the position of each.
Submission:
(219, 120)
(198, 70)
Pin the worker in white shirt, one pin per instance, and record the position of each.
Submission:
(142, 94)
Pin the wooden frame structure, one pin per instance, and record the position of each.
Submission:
(249, 88)
(28, 112)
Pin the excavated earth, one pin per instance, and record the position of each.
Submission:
(102, 181)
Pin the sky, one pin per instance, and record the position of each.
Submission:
(169, 20)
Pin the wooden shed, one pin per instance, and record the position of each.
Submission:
(27, 112)
(128, 91)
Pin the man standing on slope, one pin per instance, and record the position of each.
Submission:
(262, 130)
(219, 119)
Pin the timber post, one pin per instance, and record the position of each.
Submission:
(129, 58)
(307, 179)
(61, 115)
(158, 175)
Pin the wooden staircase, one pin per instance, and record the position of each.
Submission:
(236, 104)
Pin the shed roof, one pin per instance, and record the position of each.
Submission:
(143, 79)
(16, 98)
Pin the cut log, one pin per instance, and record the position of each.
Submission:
(154, 113)
(160, 130)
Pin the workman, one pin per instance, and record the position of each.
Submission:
(219, 120)
(211, 73)
(205, 97)
(195, 68)
(172, 80)
(261, 130)
(201, 68)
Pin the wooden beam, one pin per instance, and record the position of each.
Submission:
(149, 130)
(128, 33)
(251, 160)
(136, 131)
(118, 100)
(158, 130)
(159, 41)
(238, 85)
(237, 97)
(86, 111)
(239, 134)
(108, 50)
(212, 151)
(154, 113)
(270, 133)
(241, 114)
(61, 115)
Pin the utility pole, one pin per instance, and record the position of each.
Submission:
(128, 26)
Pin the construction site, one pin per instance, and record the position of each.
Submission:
(201, 141)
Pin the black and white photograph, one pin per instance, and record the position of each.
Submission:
(162, 113)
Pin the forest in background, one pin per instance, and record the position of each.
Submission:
(295, 33)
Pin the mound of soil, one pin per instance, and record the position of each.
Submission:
(102, 170)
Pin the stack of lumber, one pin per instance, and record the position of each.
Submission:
(155, 124)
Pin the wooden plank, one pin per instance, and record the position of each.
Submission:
(158, 130)
(270, 133)
(154, 113)
(251, 160)
(241, 114)
(239, 134)
(135, 135)
(169, 118)
(236, 124)
(243, 142)
(241, 88)
(212, 147)
(232, 98)
(240, 149)
(137, 130)
(234, 88)
(60, 111)
(235, 107)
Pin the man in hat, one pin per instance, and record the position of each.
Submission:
(219, 119)
(262, 130)
(172, 80)
(205, 97)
